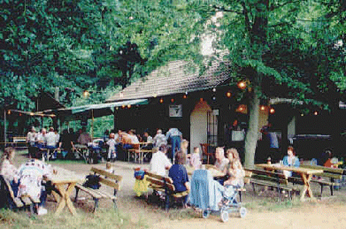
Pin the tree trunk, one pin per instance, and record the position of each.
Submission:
(252, 133)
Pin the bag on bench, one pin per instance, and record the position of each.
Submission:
(92, 181)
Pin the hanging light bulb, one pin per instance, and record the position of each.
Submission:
(263, 108)
(172, 100)
(272, 110)
(161, 100)
(184, 96)
(228, 94)
(241, 85)
(316, 113)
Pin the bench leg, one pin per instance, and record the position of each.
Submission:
(253, 188)
(76, 197)
(96, 204)
(332, 190)
(167, 203)
(239, 196)
(115, 201)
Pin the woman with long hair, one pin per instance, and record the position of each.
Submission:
(8, 170)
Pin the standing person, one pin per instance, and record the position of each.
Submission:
(31, 138)
(112, 152)
(272, 142)
(160, 162)
(175, 137)
(66, 144)
(290, 160)
(51, 142)
(8, 170)
(159, 139)
(179, 175)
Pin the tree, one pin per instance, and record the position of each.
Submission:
(289, 44)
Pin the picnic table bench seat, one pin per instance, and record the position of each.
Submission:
(329, 177)
(10, 201)
(107, 179)
(165, 185)
(272, 179)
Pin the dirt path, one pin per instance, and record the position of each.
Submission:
(319, 215)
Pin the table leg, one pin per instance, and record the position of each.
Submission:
(65, 198)
(307, 189)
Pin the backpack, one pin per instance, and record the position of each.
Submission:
(92, 181)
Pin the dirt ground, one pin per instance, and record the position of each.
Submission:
(320, 214)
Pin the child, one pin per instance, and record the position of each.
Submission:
(195, 160)
(111, 151)
(109, 167)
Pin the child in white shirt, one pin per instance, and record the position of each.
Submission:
(112, 153)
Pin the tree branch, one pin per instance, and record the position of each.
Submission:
(226, 10)
(274, 7)
(247, 20)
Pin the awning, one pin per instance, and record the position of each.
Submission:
(92, 110)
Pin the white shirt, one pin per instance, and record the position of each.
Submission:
(51, 139)
(133, 138)
(31, 137)
(158, 163)
(41, 138)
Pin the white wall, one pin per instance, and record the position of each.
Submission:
(198, 124)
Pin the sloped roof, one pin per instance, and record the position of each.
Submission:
(174, 78)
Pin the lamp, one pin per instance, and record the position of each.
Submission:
(241, 85)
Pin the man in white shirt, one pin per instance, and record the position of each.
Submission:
(51, 141)
(159, 162)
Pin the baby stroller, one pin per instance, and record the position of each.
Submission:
(210, 196)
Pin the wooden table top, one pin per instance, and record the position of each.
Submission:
(214, 172)
(65, 176)
(290, 168)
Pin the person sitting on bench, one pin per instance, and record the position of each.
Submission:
(8, 170)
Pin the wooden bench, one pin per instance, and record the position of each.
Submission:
(327, 178)
(271, 179)
(107, 179)
(19, 141)
(165, 185)
(10, 201)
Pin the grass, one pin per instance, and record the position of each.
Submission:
(108, 218)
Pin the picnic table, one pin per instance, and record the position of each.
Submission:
(139, 150)
(305, 173)
(214, 172)
(64, 181)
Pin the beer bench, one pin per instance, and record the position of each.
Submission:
(107, 179)
(271, 179)
(165, 185)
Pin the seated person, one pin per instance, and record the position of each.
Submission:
(178, 174)
(221, 162)
(31, 176)
(8, 170)
(290, 160)
(195, 159)
(234, 170)
(160, 162)
(84, 138)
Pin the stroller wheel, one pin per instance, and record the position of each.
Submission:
(242, 212)
(205, 214)
(224, 216)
